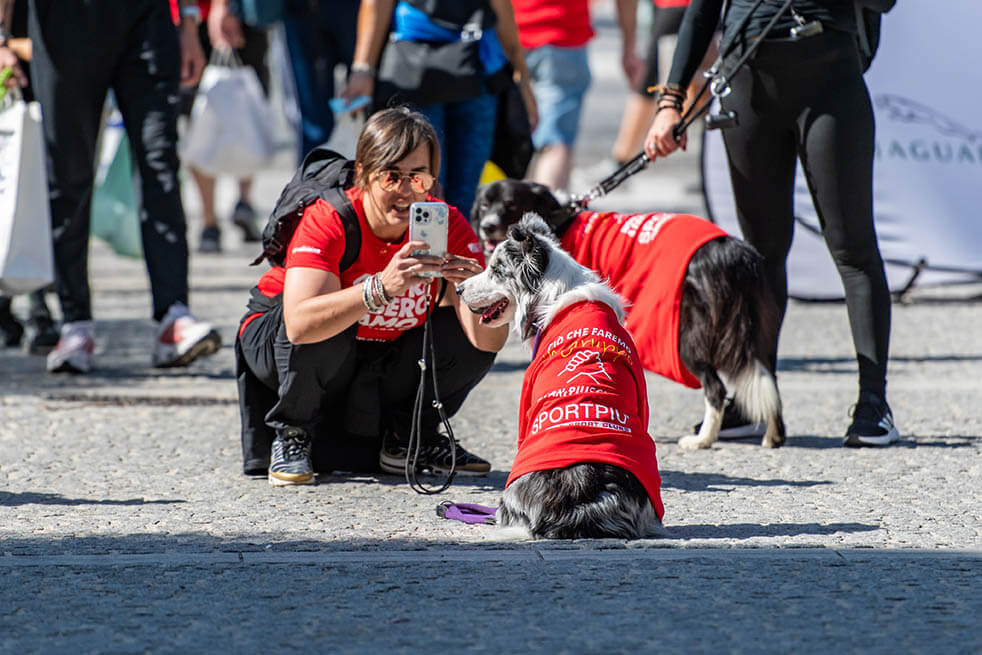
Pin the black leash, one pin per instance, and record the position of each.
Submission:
(415, 434)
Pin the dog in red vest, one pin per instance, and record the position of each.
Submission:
(586, 465)
(698, 306)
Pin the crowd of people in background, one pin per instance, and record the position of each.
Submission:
(146, 52)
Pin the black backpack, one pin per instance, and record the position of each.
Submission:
(323, 174)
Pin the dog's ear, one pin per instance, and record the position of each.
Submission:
(536, 224)
(476, 207)
(545, 201)
(535, 255)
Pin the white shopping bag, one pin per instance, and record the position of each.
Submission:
(26, 251)
(231, 128)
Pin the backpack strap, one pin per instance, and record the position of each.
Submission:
(338, 199)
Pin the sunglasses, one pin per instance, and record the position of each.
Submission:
(419, 181)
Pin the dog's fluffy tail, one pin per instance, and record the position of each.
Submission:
(755, 392)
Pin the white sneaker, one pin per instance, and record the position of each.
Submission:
(73, 352)
(182, 338)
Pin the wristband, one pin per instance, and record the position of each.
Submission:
(192, 12)
(368, 69)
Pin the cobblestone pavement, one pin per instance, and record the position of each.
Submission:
(125, 525)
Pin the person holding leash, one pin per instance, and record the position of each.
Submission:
(337, 347)
(800, 94)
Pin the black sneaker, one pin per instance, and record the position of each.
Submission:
(435, 456)
(872, 422)
(44, 335)
(211, 240)
(11, 331)
(735, 425)
(290, 462)
(244, 217)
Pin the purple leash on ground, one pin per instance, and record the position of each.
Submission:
(466, 512)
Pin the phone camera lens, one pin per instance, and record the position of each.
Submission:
(426, 214)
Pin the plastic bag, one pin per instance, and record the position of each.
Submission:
(231, 125)
(26, 252)
(115, 196)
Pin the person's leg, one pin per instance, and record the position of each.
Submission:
(837, 155)
(639, 109)
(318, 37)
(70, 77)
(761, 155)
(41, 326)
(437, 116)
(459, 367)
(560, 79)
(468, 135)
(146, 85)
(252, 54)
(297, 384)
(11, 331)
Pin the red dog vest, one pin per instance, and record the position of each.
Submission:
(584, 399)
(644, 257)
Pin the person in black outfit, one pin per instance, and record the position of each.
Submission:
(801, 97)
(80, 51)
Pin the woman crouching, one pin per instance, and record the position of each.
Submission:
(337, 357)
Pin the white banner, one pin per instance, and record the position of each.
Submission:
(927, 188)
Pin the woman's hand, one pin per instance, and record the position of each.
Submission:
(403, 270)
(661, 141)
(456, 269)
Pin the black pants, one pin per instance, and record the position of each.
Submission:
(343, 387)
(81, 50)
(808, 99)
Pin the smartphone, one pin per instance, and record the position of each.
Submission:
(429, 222)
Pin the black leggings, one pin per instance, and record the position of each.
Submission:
(808, 99)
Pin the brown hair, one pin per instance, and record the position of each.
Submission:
(389, 136)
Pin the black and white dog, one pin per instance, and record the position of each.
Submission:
(586, 464)
(698, 305)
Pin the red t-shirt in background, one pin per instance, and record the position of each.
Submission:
(318, 242)
(626, 250)
(584, 399)
(564, 23)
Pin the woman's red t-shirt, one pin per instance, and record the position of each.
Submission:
(318, 242)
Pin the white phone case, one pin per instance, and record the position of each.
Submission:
(429, 222)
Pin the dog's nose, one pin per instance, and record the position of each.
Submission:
(460, 289)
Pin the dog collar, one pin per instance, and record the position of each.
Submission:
(535, 343)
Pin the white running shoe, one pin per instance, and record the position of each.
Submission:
(73, 352)
(182, 338)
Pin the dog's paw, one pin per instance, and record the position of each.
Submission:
(694, 442)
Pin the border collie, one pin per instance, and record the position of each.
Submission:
(586, 464)
(698, 305)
